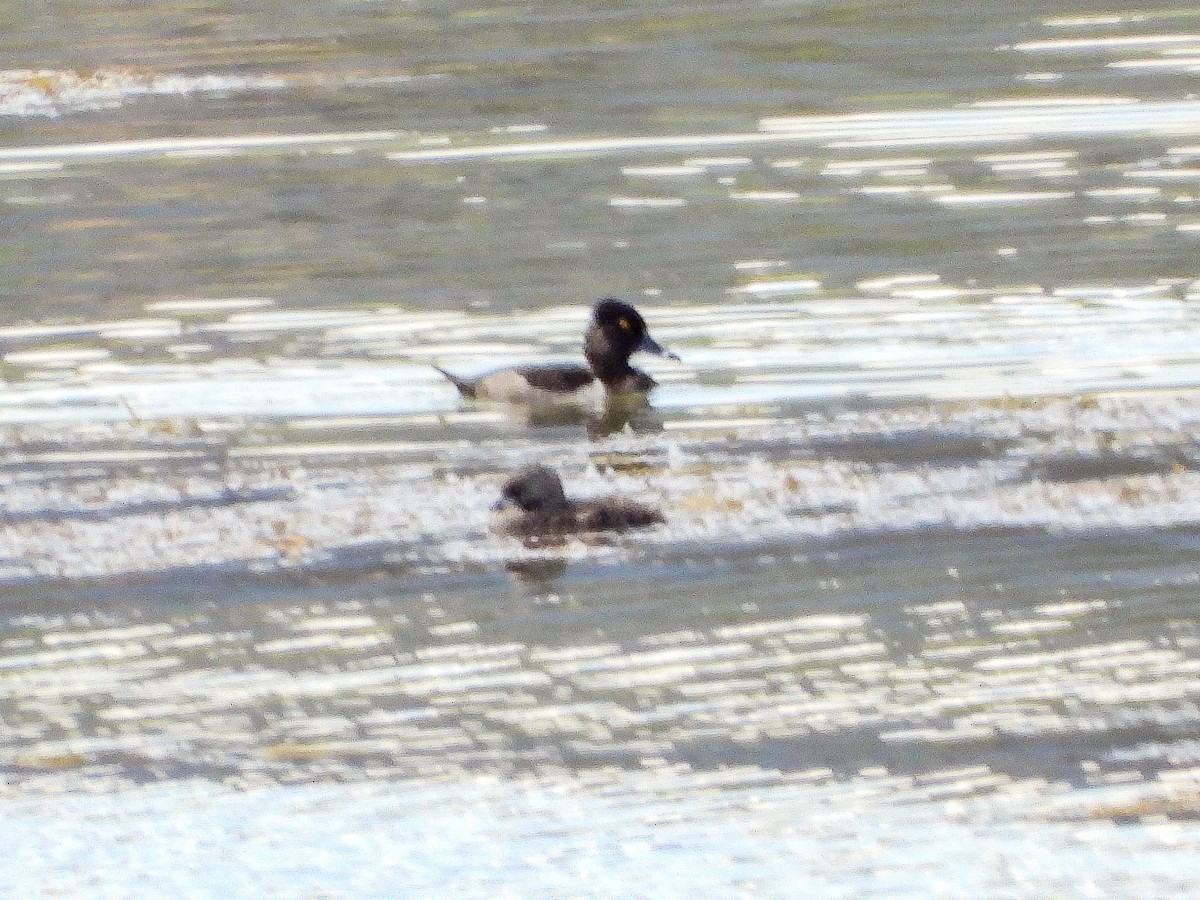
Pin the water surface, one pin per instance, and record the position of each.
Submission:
(922, 616)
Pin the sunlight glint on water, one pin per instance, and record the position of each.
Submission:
(921, 618)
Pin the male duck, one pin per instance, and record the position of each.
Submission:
(616, 332)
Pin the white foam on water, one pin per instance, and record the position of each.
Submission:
(998, 198)
(1186, 63)
(626, 202)
(1117, 42)
(988, 121)
(163, 146)
(765, 196)
(204, 305)
(52, 92)
(777, 286)
(679, 171)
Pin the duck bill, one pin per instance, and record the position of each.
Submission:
(650, 345)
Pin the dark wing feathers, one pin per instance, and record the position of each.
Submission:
(564, 378)
(616, 515)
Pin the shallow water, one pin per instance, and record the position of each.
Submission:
(922, 616)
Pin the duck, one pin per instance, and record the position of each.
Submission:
(533, 506)
(615, 333)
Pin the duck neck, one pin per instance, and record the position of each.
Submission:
(608, 369)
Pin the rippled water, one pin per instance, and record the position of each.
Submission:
(921, 620)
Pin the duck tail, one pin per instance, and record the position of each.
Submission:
(466, 388)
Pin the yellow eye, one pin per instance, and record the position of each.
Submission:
(623, 324)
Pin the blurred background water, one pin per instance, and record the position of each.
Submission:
(922, 619)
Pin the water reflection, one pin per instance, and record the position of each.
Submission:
(862, 657)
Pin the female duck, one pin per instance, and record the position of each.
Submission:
(533, 506)
(616, 332)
